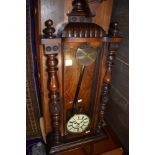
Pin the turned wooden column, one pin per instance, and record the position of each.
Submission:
(113, 45)
(51, 47)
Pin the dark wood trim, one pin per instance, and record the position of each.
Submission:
(54, 100)
(113, 45)
(98, 143)
(111, 40)
(78, 143)
(51, 49)
(82, 40)
(116, 40)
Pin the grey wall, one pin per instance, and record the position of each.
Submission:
(118, 108)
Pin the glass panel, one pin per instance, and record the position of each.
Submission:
(74, 59)
(72, 68)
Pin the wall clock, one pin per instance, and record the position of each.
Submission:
(79, 66)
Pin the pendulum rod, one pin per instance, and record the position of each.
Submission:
(78, 89)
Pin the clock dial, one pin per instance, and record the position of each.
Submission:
(78, 123)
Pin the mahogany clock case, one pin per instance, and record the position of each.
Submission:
(92, 89)
(78, 81)
(50, 9)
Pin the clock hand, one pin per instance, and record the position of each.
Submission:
(74, 120)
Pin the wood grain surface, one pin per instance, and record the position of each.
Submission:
(103, 14)
(108, 145)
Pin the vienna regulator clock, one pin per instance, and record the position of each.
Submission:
(79, 66)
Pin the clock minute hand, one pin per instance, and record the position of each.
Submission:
(78, 89)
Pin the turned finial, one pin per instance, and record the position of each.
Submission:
(49, 30)
(80, 8)
(77, 4)
(114, 30)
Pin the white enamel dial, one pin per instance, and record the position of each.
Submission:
(78, 123)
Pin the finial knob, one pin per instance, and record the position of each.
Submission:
(49, 30)
(114, 30)
(77, 5)
(49, 23)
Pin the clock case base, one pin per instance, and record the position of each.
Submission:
(76, 143)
